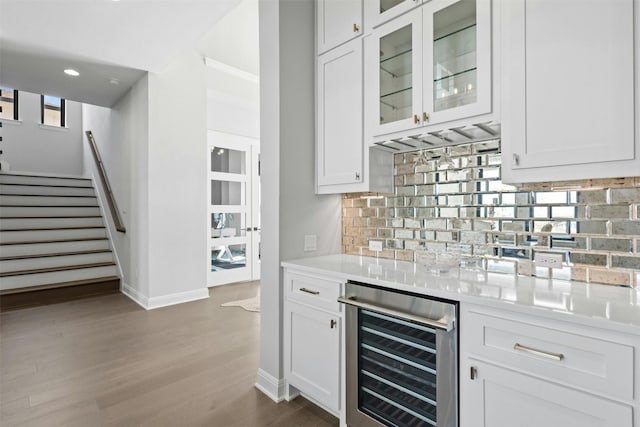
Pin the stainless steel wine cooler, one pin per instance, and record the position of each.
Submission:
(402, 359)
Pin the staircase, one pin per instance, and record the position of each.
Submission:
(53, 242)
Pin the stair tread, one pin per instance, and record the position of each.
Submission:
(44, 185)
(49, 255)
(47, 195)
(60, 285)
(79, 178)
(29, 242)
(47, 206)
(54, 228)
(56, 269)
(50, 217)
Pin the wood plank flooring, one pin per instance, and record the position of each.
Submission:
(104, 361)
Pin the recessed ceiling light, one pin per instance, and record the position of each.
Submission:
(71, 72)
(114, 81)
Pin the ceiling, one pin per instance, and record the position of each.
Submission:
(102, 39)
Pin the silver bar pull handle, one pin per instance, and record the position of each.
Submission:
(445, 323)
(530, 350)
(309, 291)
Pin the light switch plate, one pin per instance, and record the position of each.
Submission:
(310, 242)
(375, 245)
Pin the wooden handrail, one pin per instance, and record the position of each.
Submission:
(113, 207)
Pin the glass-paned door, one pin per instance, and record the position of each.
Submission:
(457, 59)
(234, 225)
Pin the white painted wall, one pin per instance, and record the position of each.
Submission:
(31, 147)
(177, 178)
(233, 114)
(234, 38)
(122, 137)
(290, 209)
(154, 146)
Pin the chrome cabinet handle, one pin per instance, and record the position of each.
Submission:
(530, 350)
(473, 372)
(309, 291)
(333, 323)
(445, 323)
(357, 176)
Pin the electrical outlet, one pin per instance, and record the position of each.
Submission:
(548, 260)
(310, 242)
(375, 245)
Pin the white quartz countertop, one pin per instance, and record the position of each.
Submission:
(613, 307)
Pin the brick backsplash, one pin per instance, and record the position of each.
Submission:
(451, 201)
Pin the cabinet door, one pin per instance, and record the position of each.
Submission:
(568, 88)
(312, 353)
(337, 21)
(381, 11)
(339, 109)
(457, 59)
(499, 397)
(393, 58)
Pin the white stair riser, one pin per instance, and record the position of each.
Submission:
(30, 236)
(58, 191)
(26, 280)
(29, 211)
(22, 223)
(52, 248)
(53, 261)
(47, 201)
(37, 180)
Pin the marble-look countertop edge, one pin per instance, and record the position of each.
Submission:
(602, 298)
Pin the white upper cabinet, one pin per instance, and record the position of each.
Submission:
(430, 66)
(340, 154)
(338, 21)
(381, 11)
(344, 163)
(570, 90)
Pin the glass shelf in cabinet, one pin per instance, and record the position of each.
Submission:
(459, 47)
(397, 65)
(455, 90)
(398, 99)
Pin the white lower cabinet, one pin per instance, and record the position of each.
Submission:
(520, 370)
(500, 397)
(312, 340)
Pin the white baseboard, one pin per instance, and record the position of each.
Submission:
(134, 295)
(177, 298)
(270, 385)
(164, 300)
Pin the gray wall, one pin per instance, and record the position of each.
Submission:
(290, 208)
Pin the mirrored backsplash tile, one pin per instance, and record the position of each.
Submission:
(456, 204)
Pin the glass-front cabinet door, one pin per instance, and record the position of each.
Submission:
(457, 59)
(429, 66)
(394, 64)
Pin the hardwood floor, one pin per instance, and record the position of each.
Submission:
(105, 361)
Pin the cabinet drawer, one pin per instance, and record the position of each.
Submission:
(317, 291)
(570, 355)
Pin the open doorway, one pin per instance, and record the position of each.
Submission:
(233, 146)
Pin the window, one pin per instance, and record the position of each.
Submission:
(52, 111)
(8, 103)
